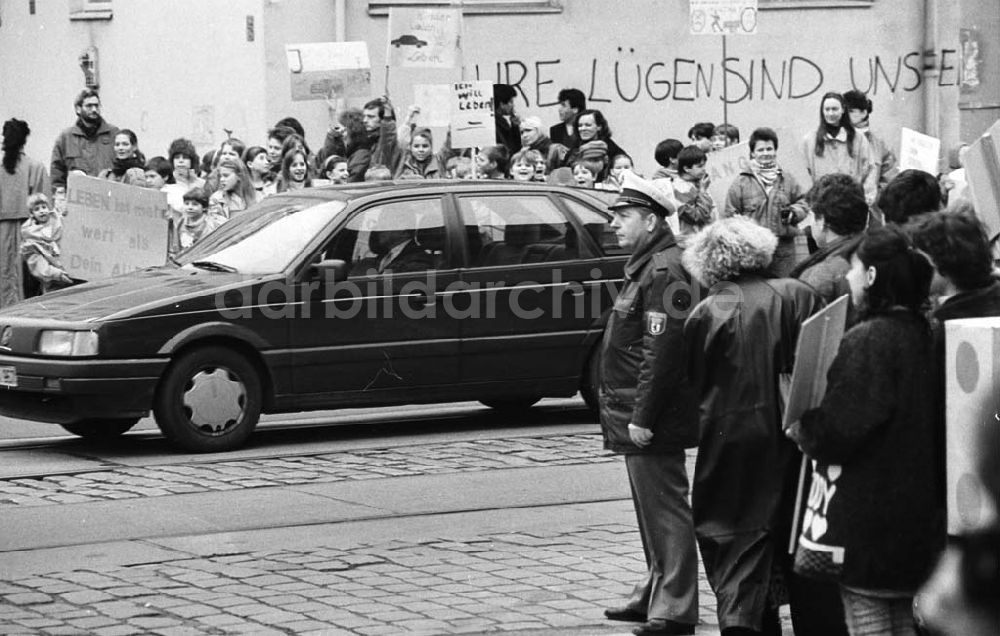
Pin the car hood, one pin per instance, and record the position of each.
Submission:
(141, 292)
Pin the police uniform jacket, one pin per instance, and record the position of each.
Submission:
(643, 379)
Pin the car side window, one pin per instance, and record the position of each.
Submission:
(514, 230)
(595, 224)
(397, 237)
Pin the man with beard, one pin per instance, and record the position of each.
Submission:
(88, 145)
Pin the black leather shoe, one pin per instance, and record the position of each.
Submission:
(656, 626)
(626, 614)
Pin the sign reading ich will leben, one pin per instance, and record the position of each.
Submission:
(322, 70)
(111, 228)
(472, 123)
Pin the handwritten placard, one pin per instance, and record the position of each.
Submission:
(918, 151)
(334, 70)
(722, 167)
(434, 101)
(111, 228)
(982, 168)
(472, 123)
(424, 38)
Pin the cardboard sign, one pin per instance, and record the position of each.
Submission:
(919, 151)
(723, 17)
(972, 377)
(111, 228)
(472, 122)
(329, 70)
(982, 170)
(819, 340)
(435, 104)
(723, 166)
(424, 38)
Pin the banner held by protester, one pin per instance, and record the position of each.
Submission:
(111, 228)
(329, 70)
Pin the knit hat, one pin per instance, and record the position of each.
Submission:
(594, 150)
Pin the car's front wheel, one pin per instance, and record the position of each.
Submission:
(209, 400)
(101, 429)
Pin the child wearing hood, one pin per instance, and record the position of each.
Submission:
(40, 236)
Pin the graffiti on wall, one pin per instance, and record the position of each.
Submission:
(737, 80)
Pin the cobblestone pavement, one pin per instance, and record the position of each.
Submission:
(439, 458)
(507, 582)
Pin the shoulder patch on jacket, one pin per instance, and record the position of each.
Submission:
(656, 322)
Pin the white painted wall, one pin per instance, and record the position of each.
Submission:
(163, 63)
(167, 69)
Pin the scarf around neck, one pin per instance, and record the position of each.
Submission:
(767, 174)
(89, 130)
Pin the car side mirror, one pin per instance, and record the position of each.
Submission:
(331, 270)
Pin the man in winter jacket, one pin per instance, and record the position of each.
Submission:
(87, 145)
(649, 412)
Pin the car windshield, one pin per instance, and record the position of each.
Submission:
(263, 240)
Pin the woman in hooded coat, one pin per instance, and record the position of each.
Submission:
(738, 340)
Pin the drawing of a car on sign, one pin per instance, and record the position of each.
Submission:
(408, 40)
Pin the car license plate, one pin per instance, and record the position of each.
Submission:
(8, 376)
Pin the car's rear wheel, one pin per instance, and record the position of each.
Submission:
(209, 400)
(590, 383)
(511, 406)
(101, 429)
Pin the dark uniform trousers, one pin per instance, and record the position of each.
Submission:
(660, 493)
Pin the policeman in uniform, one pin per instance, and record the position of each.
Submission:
(649, 411)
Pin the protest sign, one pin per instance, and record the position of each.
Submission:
(332, 70)
(982, 170)
(111, 228)
(723, 167)
(819, 340)
(424, 38)
(918, 151)
(972, 377)
(434, 101)
(472, 122)
(722, 17)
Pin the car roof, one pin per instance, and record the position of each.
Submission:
(351, 191)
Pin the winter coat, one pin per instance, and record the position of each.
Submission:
(826, 269)
(748, 197)
(859, 163)
(885, 158)
(74, 150)
(402, 164)
(29, 177)
(643, 381)
(744, 481)
(879, 422)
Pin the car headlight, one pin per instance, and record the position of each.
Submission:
(67, 343)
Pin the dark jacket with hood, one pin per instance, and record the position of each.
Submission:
(642, 379)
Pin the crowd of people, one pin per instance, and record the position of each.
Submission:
(905, 246)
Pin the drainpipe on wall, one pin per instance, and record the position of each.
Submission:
(931, 93)
(340, 20)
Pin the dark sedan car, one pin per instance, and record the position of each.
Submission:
(364, 295)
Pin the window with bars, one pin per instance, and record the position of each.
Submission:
(469, 7)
